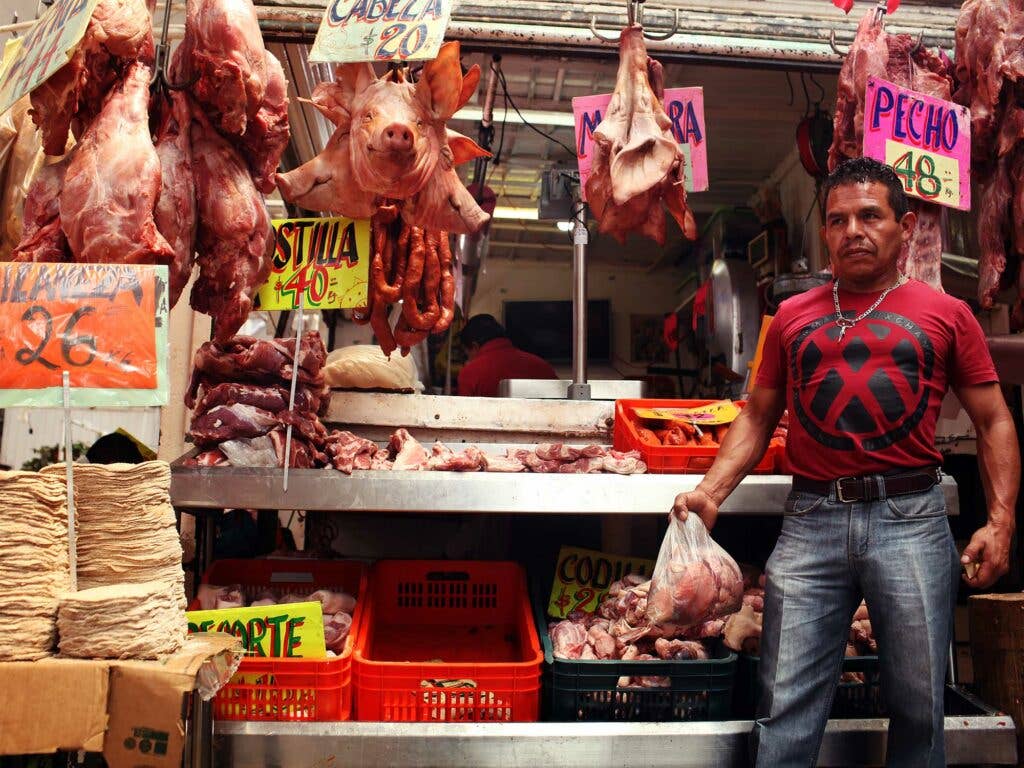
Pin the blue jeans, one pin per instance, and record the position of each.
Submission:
(896, 553)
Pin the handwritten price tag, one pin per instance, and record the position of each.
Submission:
(381, 30)
(327, 259)
(105, 324)
(927, 141)
(582, 578)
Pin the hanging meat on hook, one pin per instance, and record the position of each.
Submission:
(900, 60)
(119, 32)
(637, 163)
(391, 143)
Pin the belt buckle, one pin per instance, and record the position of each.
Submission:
(839, 490)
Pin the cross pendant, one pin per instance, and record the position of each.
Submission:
(842, 332)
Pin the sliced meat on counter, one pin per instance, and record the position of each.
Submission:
(268, 398)
(175, 212)
(113, 182)
(119, 32)
(348, 452)
(234, 235)
(226, 422)
(408, 454)
(444, 459)
(508, 463)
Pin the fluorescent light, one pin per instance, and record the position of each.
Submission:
(509, 212)
(565, 226)
(534, 116)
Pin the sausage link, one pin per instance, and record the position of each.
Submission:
(407, 337)
(413, 279)
(382, 329)
(425, 313)
(447, 286)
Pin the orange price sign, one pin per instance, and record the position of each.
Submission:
(106, 324)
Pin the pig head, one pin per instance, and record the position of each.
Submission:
(445, 203)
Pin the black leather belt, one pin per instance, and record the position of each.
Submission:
(866, 488)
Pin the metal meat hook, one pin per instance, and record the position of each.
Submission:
(160, 81)
(635, 15)
(880, 10)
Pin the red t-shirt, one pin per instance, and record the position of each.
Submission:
(869, 402)
(498, 360)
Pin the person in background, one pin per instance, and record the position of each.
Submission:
(492, 358)
(863, 365)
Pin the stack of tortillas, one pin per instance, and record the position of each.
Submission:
(124, 621)
(127, 531)
(33, 562)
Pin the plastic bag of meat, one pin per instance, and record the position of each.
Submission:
(694, 579)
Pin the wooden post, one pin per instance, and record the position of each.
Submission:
(997, 651)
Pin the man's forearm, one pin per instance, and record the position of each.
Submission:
(999, 463)
(743, 446)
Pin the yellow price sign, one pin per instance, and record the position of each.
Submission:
(927, 175)
(291, 631)
(712, 414)
(582, 578)
(328, 260)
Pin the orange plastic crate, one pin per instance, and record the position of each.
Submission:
(676, 459)
(306, 690)
(447, 641)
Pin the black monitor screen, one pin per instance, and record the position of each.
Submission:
(545, 328)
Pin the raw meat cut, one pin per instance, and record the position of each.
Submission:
(348, 452)
(568, 639)
(234, 239)
(444, 459)
(225, 422)
(502, 464)
(175, 212)
(223, 50)
(742, 631)
(896, 58)
(262, 361)
(694, 579)
(42, 238)
(636, 163)
(408, 454)
(267, 133)
(119, 32)
(113, 182)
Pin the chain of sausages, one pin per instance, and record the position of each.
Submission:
(414, 265)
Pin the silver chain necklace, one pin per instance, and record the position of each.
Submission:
(844, 322)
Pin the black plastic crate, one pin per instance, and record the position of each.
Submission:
(589, 691)
(852, 699)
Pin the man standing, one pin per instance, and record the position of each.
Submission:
(863, 365)
(492, 358)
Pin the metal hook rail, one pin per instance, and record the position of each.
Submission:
(160, 80)
(880, 10)
(635, 16)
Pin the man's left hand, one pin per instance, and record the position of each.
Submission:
(987, 557)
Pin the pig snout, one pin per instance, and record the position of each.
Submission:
(397, 137)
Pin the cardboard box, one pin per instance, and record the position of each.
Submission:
(129, 710)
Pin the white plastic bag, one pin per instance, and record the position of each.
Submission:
(694, 579)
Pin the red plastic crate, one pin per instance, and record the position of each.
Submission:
(684, 460)
(308, 690)
(447, 641)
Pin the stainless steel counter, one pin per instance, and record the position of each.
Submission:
(969, 740)
(475, 492)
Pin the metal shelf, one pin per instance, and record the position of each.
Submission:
(473, 492)
(969, 740)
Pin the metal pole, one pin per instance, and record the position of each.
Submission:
(579, 389)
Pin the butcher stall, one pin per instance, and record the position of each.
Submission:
(413, 575)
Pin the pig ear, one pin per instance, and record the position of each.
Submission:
(332, 102)
(470, 81)
(355, 78)
(464, 148)
(441, 83)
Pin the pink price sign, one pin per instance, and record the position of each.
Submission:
(926, 140)
(684, 107)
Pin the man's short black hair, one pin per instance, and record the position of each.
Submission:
(480, 329)
(862, 170)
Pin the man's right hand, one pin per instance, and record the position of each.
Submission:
(698, 502)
